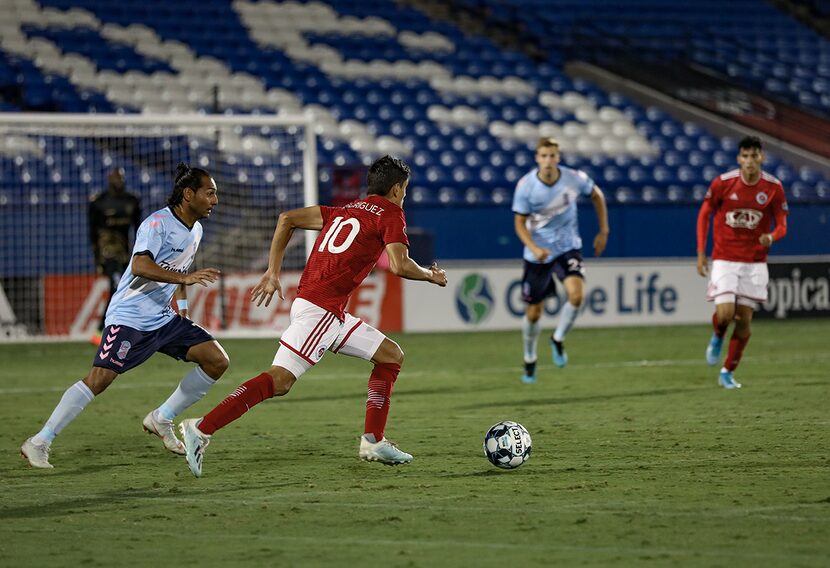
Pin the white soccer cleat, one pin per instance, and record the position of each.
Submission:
(385, 452)
(38, 455)
(727, 380)
(195, 443)
(153, 424)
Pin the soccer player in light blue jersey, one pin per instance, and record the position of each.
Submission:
(140, 320)
(544, 208)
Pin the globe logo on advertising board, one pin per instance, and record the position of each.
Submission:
(474, 299)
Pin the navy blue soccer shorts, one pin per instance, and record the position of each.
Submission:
(123, 347)
(538, 282)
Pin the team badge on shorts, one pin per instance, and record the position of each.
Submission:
(320, 352)
(123, 349)
(761, 197)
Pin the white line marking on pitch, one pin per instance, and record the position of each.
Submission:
(323, 376)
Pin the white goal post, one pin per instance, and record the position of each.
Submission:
(51, 165)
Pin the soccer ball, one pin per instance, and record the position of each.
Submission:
(507, 445)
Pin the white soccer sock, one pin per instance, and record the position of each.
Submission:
(193, 386)
(73, 401)
(566, 320)
(530, 336)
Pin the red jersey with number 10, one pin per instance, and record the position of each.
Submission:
(743, 213)
(347, 249)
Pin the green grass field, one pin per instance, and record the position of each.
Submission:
(639, 458)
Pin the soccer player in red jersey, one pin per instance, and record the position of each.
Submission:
(744, 202)
(351, 240)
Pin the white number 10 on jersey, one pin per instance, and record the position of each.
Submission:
(334, 231)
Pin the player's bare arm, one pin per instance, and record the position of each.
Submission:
(598, 199)
(181, 300)
(703, 218)
(780, 228)
(522, 232)
(145, 267)
(402, 265)
(702, 264)
(304, 218)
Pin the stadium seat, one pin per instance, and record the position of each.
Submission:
(379, 77)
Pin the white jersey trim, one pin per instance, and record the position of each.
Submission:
(771, 178)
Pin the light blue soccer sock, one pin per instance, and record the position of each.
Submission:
(530, 337)
(73, 401)
(193, 386)
(566, 320)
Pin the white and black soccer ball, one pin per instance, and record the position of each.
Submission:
(507, 445)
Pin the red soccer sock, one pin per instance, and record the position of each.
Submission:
(240, 401)
(720, 328)
(381, 381)
(736, 351)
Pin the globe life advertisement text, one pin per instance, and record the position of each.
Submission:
(479, 295)
(616, 293)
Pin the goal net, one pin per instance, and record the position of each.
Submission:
(52, 165)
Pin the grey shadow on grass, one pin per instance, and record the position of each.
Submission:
(491, 472)
(397, 394)
(118, 500)
(581, 399)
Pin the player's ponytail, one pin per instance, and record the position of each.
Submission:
(185, 177)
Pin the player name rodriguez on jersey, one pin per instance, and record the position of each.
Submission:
(145, 304)
(743, 213)
(369, 207)
(347, 248)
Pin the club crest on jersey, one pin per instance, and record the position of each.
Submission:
(761, 198)
(743, 218)
(123, 349)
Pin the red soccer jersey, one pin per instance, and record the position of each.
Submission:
(347, 249)
(743, 213)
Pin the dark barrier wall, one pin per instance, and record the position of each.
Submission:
(636, 231)
(797, 290)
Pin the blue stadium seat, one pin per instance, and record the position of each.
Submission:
(501, 196)
(448, 196)
(462, 164)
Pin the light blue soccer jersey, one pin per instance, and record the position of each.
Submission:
(551, 210)
(144, 304)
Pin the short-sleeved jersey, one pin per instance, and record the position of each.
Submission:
(349, 245)
(145, 304)
(111, 216)
(743, 213)
(551, 210)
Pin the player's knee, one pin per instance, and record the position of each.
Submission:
(398, 355)
(211, 357)
(283, 380)
(99, 381)
(742, 328)
(576, 299)
(216, 366)
(281, 387)
(389, 352)
(533, 312)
